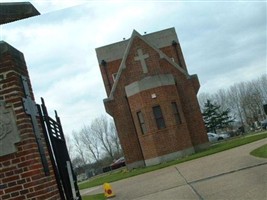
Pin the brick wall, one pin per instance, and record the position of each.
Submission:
(174, 51)
(21, 173)
(175, 137)
(187, 87)
(107, 71)
(126, 129)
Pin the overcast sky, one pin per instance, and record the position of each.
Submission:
(223, 42)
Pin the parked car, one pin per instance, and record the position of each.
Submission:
(264, 124)
(118, 163)
(224, 135)
(213, 137)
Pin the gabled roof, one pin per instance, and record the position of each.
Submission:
(116, 50)
(123, 66)
(10, 12)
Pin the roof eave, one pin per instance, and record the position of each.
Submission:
(11, 12)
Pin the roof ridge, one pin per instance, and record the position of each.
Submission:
(123, 66)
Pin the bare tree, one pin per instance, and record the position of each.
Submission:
(251, 101)
(69, 146)
(97, 140)
(77, 162)
(100, 127)
(77, 140)
(234, 98)
(222, 99)
(90, 142)
(245, 100)
(115, 139)
(256, 97)
(262, 84)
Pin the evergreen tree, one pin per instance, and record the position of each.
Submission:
(215, 118)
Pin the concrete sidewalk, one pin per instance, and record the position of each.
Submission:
(232, 174)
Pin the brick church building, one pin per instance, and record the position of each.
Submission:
(152, 98)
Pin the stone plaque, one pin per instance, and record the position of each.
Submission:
(9, 134)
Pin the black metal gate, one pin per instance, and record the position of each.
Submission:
(65, 177)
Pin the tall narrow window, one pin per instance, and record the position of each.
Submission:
(158, 117)
(176, 113)
(141, 122)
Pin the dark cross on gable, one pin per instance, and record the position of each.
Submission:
(141, 57)
(31, 109)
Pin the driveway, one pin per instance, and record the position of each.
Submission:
(231, 174)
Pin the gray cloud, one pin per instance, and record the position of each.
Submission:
(223, 43)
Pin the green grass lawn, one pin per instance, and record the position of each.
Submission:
(94, 197)
(225, 145)
(260, 152)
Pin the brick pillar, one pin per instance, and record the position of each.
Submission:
(22, 174)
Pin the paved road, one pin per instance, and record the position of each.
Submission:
(232, 174)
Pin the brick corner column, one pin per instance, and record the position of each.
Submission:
(21, 171)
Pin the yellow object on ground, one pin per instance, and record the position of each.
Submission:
(108, 190)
